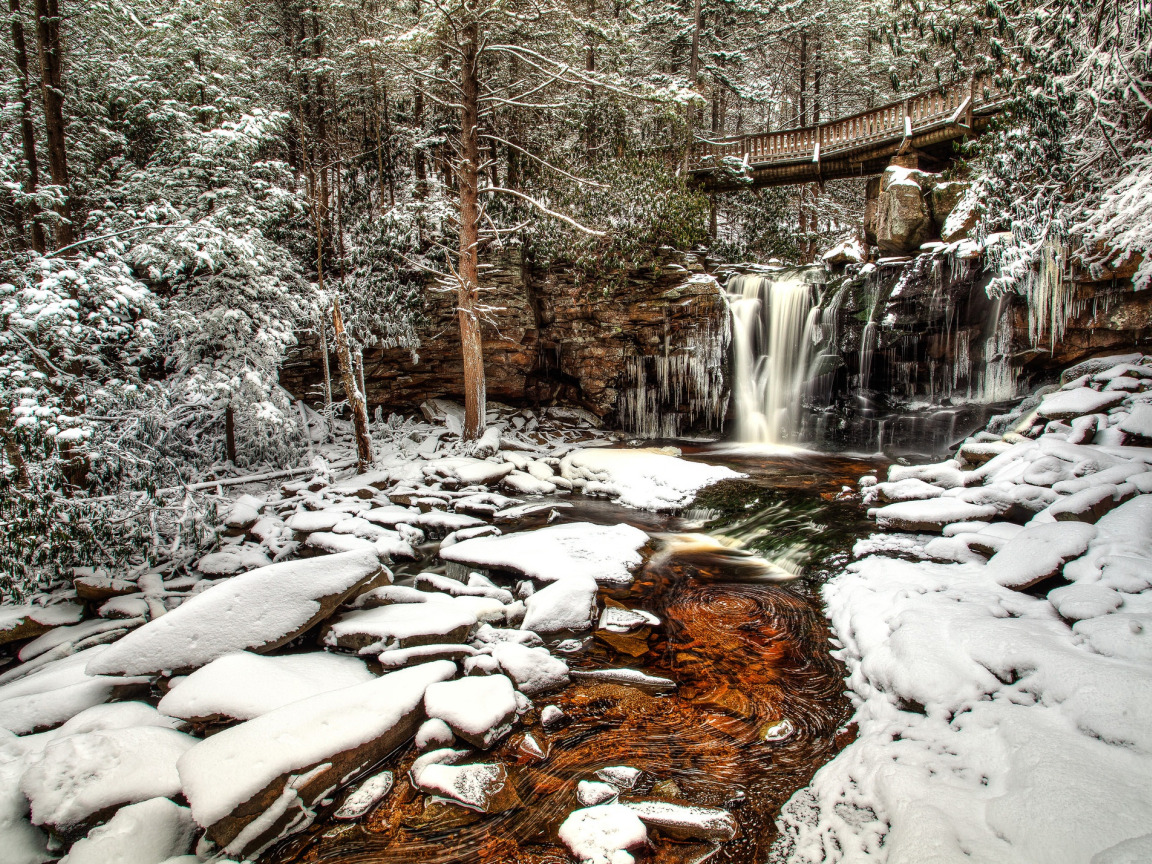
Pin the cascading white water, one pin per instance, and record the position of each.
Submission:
(774, 322)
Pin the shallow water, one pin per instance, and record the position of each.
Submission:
(759, 702)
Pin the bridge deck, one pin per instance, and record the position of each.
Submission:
(855, 146)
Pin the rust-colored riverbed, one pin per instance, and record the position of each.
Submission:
(758, 709)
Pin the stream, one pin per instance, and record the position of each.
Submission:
(760, 704)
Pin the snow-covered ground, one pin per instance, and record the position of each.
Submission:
(294, 646)
(1000, 659)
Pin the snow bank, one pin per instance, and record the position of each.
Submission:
(645, 479)
(988, 731)
(258, 610)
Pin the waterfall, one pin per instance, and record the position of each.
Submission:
(775, 325)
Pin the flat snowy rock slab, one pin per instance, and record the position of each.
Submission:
(931, 515)
(606, 553)
(645, 479)
(401, 625)
(256, 611)
(1066, 404)
(683, 822)
(1038, 552)
(56, 692)
(243, 685)
(248, 783)
(25, 622)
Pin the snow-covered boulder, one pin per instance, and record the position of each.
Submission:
(150, 832)
(82, 778)
(249, 783)
(27, 622)
(256, 611)
(533, 670)
(604, 834)
(480, 710)
(565, 606)
(56, 692)
(931, 514)
(1039, 552)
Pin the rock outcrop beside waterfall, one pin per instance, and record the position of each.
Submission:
(644, 348)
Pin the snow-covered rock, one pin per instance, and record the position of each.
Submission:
(256, 611)
(1038, 552)
(83, 777)
(628, 678)
(56, 691)
(606, 553)
(364, 798)
(533, 670)
(243, 685)
(403, 625)
(480, 710)
(1065, 404)
(477, 786)
(591, 792)
(250, 783)
(567, 605)
(604, 834)
(150, 832)
(931, 514)
(27, 622)
(686, 822)
(645, 479)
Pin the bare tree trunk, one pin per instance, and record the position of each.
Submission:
(471, 344)
(327, 371)
(803, 80)
(12, 451)
(230, 434)
(352, 392)
(27, 130)
(52, 86)
(694, 57)
(418, 155)
(817, 75)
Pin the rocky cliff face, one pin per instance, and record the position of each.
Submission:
(643, 349)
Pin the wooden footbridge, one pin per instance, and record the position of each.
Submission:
(861, 145)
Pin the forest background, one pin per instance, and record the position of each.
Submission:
(187, 186)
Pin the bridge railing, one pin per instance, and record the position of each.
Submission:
(923, 110)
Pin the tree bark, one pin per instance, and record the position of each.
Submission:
(352, 392)
(27, 130)
(471, 346)
(52, 87)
